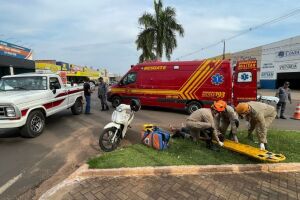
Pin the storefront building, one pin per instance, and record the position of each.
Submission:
(281, 62)
(15, 59)
(277, 62)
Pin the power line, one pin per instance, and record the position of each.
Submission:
(272, 21)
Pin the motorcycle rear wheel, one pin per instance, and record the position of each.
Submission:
(105, 137)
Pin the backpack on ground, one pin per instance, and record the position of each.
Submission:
(156, 138)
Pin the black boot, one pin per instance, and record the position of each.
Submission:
(102, 109)
(266, 146)
(107, 107)
(209, 144)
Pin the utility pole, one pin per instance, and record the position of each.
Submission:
(223, 49)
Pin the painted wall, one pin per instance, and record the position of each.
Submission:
(279, 57)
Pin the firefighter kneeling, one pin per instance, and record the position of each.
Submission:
(260, 116)
(202, 122)
(226, 118)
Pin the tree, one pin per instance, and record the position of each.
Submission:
(158, 34)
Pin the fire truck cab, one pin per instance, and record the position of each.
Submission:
(187, 85)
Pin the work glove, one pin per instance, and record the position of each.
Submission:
(235, 139)
(220, 144)
(262, 146)
(237, 123)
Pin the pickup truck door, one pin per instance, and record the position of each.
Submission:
(245, 81)
(58, 95)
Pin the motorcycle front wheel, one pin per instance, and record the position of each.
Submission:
(105, 139)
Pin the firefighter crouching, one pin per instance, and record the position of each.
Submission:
(260, 116)
(226, 118)
(202, 122)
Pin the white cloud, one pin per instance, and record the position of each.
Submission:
(102, 33)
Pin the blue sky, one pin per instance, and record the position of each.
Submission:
(101, 33)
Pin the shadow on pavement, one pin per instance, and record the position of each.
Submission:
(161, 109)
(9, 133)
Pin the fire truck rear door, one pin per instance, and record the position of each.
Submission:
(245, 81)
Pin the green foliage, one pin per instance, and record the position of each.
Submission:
(158, 33)
(185, 152)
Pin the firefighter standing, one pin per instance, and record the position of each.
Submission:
(226, 118)
(202, 121)
(260, 116)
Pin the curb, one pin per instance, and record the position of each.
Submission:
(189, 170)
(84, 172)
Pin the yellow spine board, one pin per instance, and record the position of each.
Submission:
(253, 152)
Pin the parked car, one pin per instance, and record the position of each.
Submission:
(27, 99)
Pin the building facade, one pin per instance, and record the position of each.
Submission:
(281, 62)
(15, 59)
(277, 62)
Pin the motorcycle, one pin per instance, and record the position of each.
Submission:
(114, 131)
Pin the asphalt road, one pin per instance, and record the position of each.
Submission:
(31, 166)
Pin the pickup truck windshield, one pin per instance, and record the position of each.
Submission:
(23, 83)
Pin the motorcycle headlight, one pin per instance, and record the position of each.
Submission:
(10, 112)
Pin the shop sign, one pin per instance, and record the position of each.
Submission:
(268, 74)
(282, 54)
(287, 67)
(8, 49)
(268, 66)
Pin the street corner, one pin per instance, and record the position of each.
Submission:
(184, 182)
(76, 183)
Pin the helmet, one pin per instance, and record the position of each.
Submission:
(242, 108)
(135, 105)
(219, 105)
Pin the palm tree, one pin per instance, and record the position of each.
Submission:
(158, 33)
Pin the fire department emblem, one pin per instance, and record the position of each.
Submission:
(245, 77)
(217, 79)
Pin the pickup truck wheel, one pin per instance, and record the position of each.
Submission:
(77, 107)
(193, 106)
(116, 101)
(35, 124)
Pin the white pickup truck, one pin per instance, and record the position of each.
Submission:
(27, 99)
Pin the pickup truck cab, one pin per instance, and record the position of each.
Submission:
(27, 99)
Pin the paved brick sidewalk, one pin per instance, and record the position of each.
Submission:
(209, 186)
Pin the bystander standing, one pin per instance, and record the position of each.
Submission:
(87, 95)
(284, 95)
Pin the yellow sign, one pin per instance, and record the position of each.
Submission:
(56, 68)
(213, 94)
(154, 68)
(88, 74)
(248, 64)
(48, 66)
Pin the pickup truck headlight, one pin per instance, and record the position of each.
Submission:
(10, 112)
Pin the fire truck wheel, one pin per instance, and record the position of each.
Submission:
(116, 101)
(193, 106)
(77, 107)
(35, 124)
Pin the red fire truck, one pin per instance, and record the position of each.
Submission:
(187, 85)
